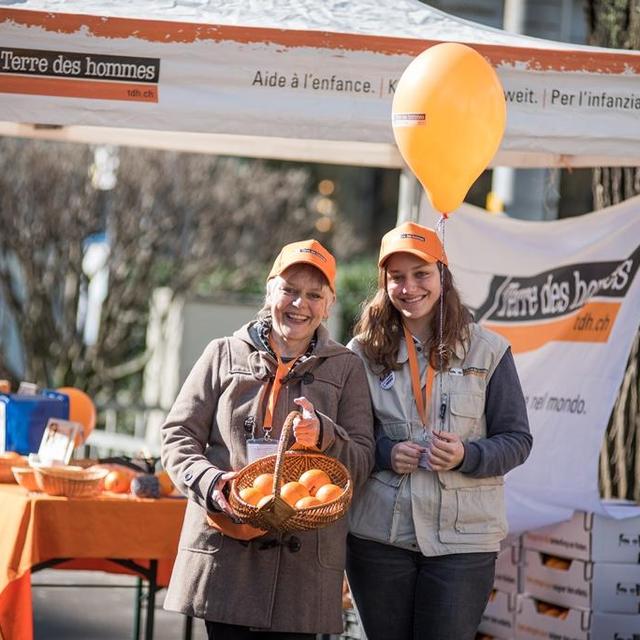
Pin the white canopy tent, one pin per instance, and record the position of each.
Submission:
(292, 79)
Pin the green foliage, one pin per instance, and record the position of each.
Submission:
(614, 23)
(356, 283)
(237, 281)
(170, 220)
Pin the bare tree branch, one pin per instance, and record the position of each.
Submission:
(616, 23)
(170, 221)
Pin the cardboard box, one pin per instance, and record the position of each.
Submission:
(575, 624)
(614, 626)
(499, 618)
(600, 586)
(508, 562)
(589, 537)
(533, 624)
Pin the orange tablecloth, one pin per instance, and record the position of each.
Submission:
(35, 527)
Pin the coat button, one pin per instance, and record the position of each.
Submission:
(188, 476)
(294, 544)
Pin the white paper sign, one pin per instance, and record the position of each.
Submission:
(58, 441)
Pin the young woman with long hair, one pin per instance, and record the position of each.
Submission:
(450, 421)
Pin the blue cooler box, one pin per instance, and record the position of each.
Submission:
(24, 418)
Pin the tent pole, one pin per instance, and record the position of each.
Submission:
(503, 178)
(409, 195)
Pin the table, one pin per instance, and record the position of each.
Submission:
(110, 532)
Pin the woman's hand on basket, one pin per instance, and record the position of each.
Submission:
(307, 429)
(405, 456)
(218, 492)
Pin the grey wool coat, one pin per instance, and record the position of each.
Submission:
(286, 583)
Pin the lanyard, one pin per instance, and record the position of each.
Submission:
(281, 373)
(421, 403)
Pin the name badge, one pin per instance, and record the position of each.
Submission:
(259, 448)
(388, 381)
(423, 462)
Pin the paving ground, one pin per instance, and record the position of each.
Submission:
(91, 605)
(94, 612)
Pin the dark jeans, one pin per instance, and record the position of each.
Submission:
(220, 631)
(401, 594)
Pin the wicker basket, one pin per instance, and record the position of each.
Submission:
(277, 515)
(26, 478)
(6, 462)
(70, 481)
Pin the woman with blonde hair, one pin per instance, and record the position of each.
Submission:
(246, 583)
(450, 421)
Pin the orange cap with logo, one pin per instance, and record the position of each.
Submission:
(306, 252)
(411, 237)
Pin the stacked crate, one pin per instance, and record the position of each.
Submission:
(581, 580)
(498, 619)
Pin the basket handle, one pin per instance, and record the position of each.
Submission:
(285, 434)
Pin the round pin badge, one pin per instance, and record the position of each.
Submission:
(386, 382)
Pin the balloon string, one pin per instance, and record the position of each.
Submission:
(441, 345)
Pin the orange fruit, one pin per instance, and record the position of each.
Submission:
(166, 485)
(264, 500)
(328, 492)
(313, 479)
(251, 495)
(118, 481)
(264, 483)
(307, 502)
(291, 492)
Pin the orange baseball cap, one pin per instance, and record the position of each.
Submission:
(306, 252)
(411, 237)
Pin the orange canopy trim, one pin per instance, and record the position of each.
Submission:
(186, 32)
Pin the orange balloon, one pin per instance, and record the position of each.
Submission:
(82, 410)
(449, 116)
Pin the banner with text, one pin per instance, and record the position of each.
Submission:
(57, 69)
(566, 294)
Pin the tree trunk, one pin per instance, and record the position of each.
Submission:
(616, 23)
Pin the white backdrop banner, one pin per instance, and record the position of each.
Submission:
(566, 294)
